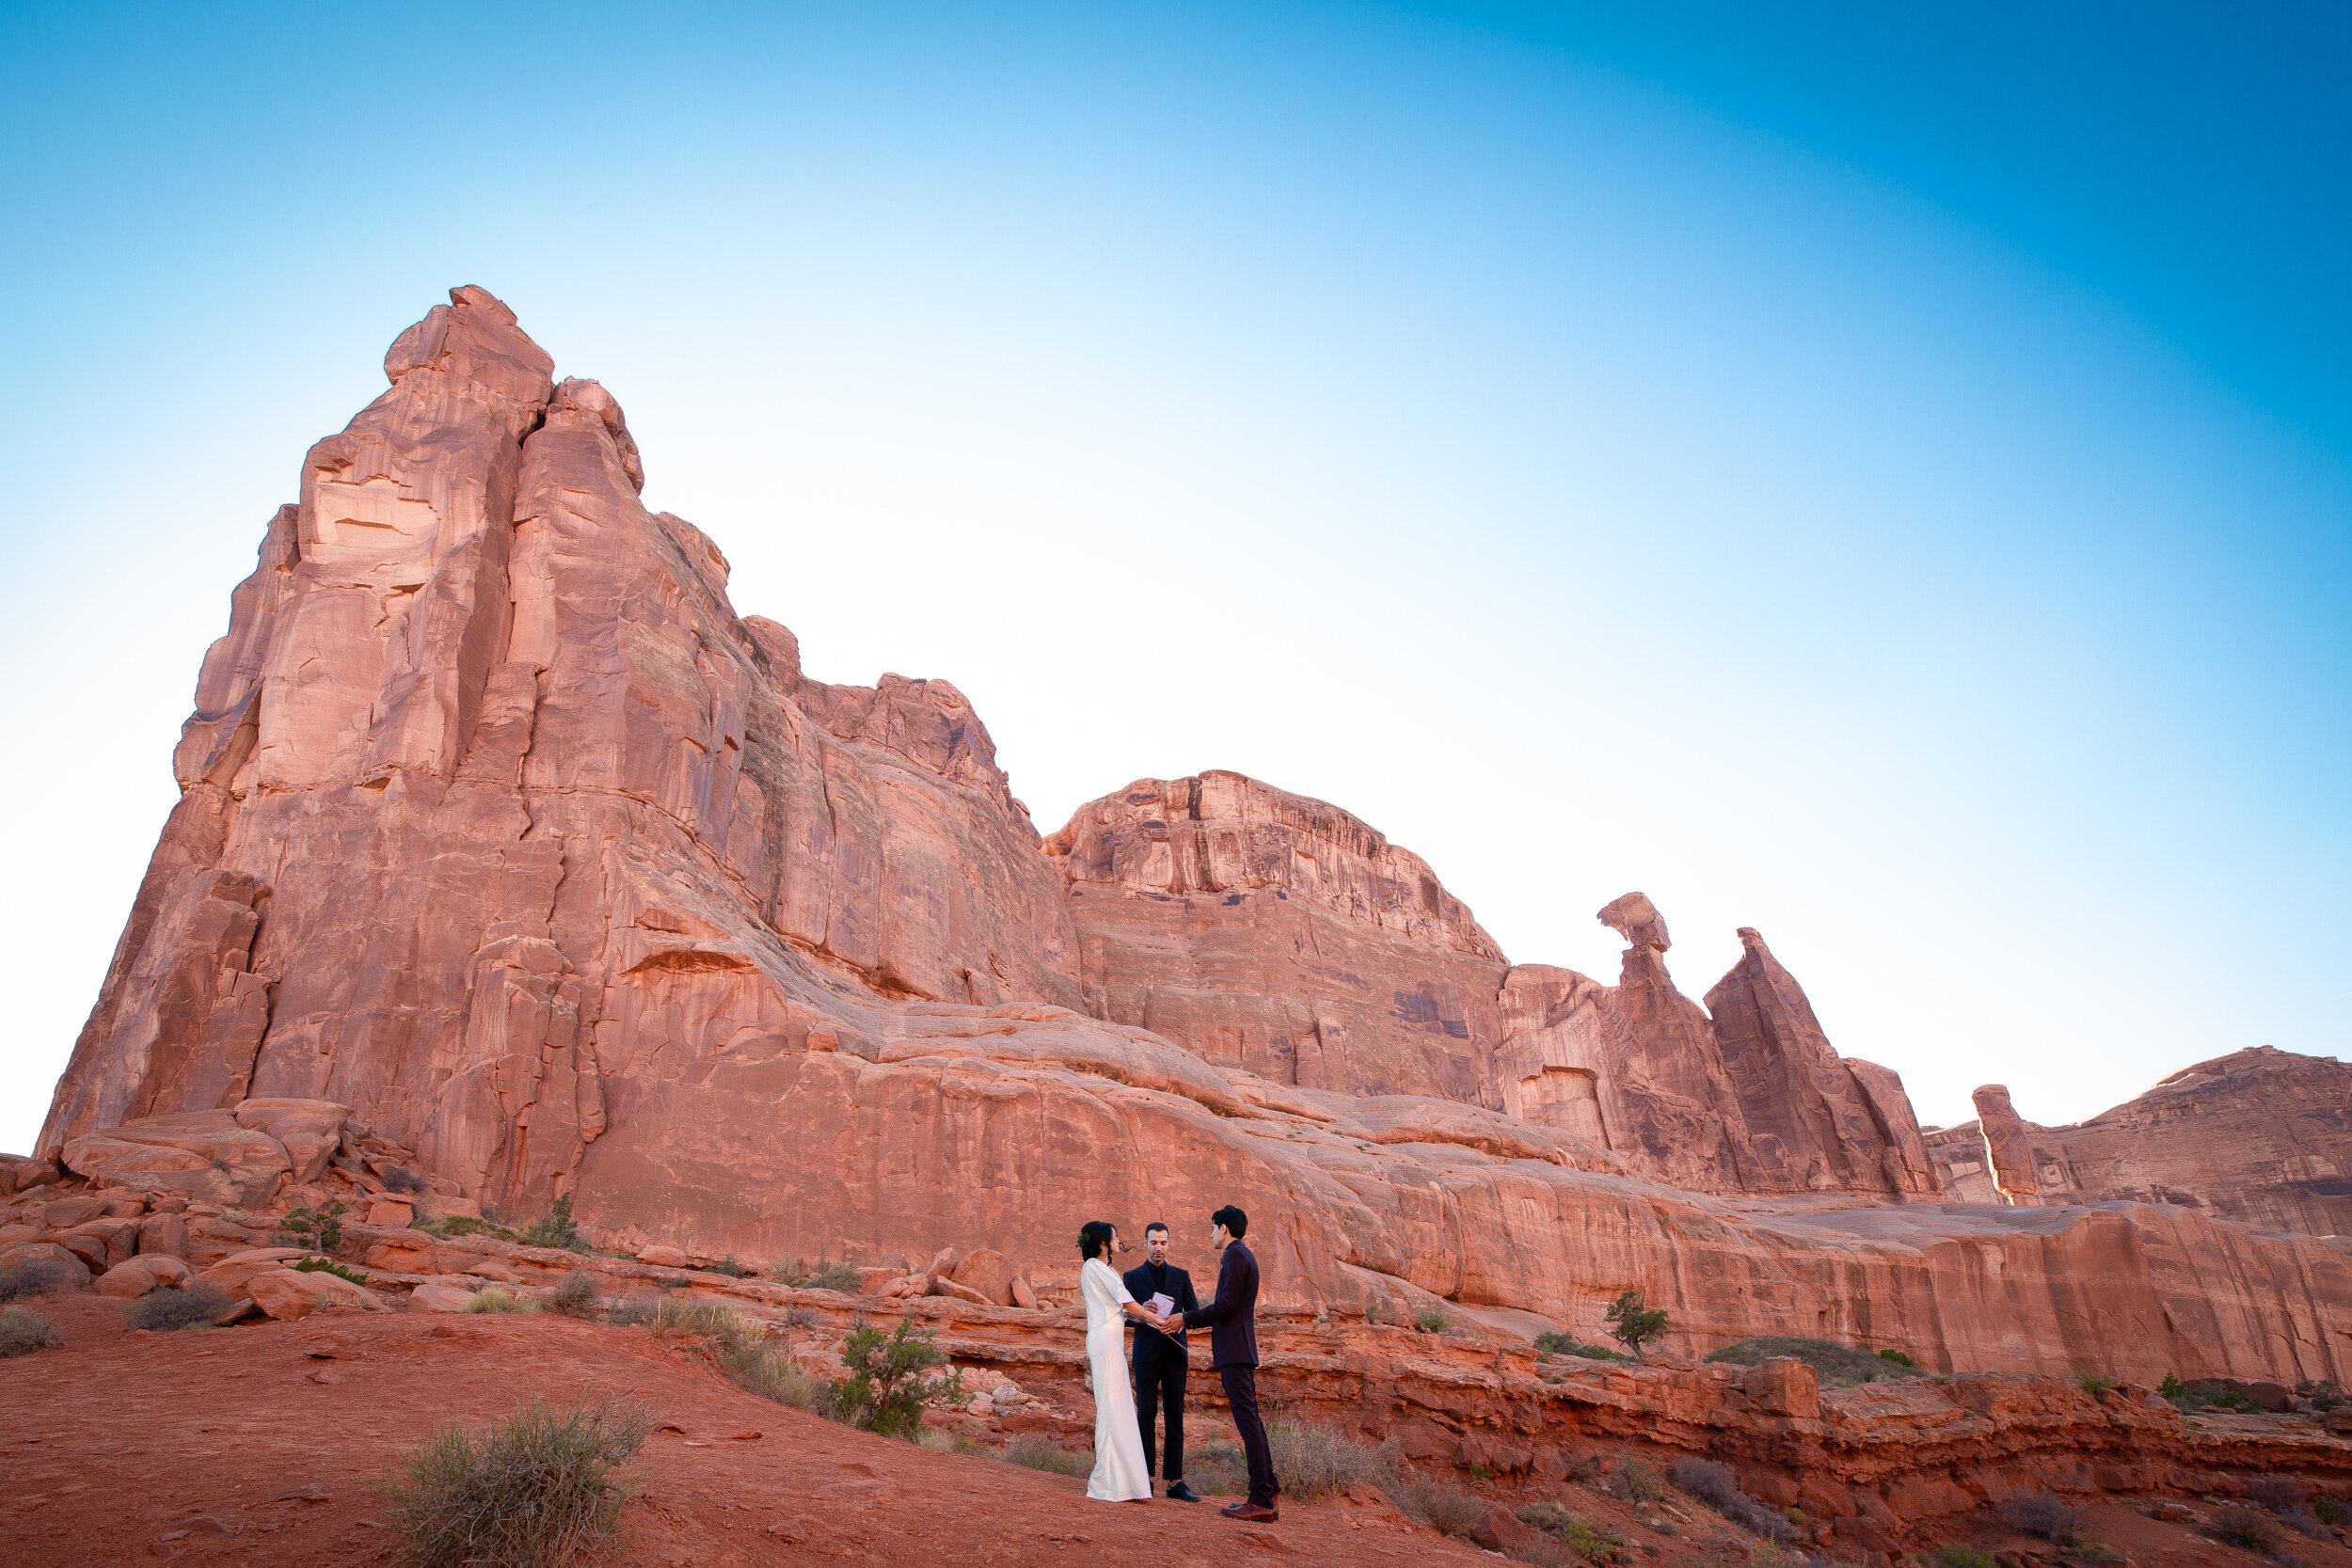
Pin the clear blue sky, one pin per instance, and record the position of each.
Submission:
(1878, 474)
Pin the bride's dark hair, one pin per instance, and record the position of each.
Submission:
(1093, 1238)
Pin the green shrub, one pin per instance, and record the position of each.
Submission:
(1556, 1343)
(2334, 1510)
(493, 1298)
(2324, 1396)
(555, 1231)
(326, 1265)
(1899, 1359)
(815, 1275)
(189, 1307)
(886, 1391)
(39, 1278)
(577, 1296)
(728, 1266)
(1040, 1453)
(23, 1331)
(451, 1226)
(1840, 1366)
(1429, 1319)
(1595, 1543)
(1641, 1482)
(1633, 1324)
(543, 1489)
(1316, 1461)
(320, 1229)
(1446, 1509)
(1957, 1554)
(2092, 1384)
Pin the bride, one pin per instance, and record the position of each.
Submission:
(1120, 1474)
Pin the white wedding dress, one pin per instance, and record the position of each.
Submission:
(1119, 1473)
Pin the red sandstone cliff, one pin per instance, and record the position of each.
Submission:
(2262, 1137)
(501, 836)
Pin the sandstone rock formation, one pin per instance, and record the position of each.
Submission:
(508, 852)
(1278, 934)
(2262, 1137)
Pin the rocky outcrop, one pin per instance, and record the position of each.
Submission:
(1276, 933)
(2262, 1137)
(507, 849)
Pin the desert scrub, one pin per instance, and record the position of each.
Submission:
(491, 1298)
(1567, 1344)
(1595, 1543)
(1902, 1360)
(577, 1296)
(2252, 1528)
(1040, 1453)
(1429, 1319)
(189, 1307)
(886, 1390)
(320, 1229)
(23, 1331)
(542, 1489)
(2090, 1383)
(1317, 1461)
(2044, 1515)
(556, 1230)
(802, 1273)
(1957, 1554)
(19, 1280)
(1839, 1366)
(1639, 1481)
(1717, 1487)
(400, 1178)
(2334, 1510)
(1444, 1508)
(448, 1225)
(327, 1265)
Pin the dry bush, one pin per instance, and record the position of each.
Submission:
(1839, 1366)
(577, 1296)
(491, 1298)
(1041, 1452)
(543, 1489)
(1717, 1487)
(1595, 1543)
(2044, 1515)
(1318, 1461)
(189, 1307)
(19, 1280)
(22, 1332)
(1446, 1509)
(2252, 1528)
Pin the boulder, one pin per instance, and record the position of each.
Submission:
(136, 1276)
(67, 1270)
(988, 1272)
(18, 1173)
(393, 1213)
(206, 1155)
(431, 1297)
(1502, 1531)
(234, 1272)
(287, 1293)
(60, 1214)
(113, 1239)
(662, 1257)
(165, 1235)
(310, 1131)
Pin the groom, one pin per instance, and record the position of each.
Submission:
(1232, 1319)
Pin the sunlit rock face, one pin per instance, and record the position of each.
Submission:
(502, 834)
(2260, 1137)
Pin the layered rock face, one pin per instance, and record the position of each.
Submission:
(1278, 933)
(503, 835)
(2262, 1137)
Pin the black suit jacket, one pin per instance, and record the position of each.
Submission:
(1231, 1319)
(1151, 1346)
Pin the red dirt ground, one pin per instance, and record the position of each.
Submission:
(119, 1442)
(260, 1447)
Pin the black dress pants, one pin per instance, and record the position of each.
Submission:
(1241, 1392)
(1161, 1374)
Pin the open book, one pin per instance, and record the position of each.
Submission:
(1161, 1304)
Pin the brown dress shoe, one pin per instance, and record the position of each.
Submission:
(1252, 1513)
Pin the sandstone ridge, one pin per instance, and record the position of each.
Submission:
(505, 837)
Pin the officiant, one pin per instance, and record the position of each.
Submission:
(1159, 1358)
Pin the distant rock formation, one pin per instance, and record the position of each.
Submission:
(2260, 1137)
(501, 835)
(1279, 934)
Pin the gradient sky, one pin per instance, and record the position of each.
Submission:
(1878, 474)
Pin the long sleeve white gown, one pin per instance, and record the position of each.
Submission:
(1120, 1472)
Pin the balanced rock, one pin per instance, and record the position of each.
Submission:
(136, 1276)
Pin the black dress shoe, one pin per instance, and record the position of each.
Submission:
(1182, 1493)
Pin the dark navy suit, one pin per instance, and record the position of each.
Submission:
(1231, 1322)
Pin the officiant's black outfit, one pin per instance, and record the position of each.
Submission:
(1159, 1364)
(1232, 1319)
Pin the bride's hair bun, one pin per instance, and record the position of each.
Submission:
(1093, 1238)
